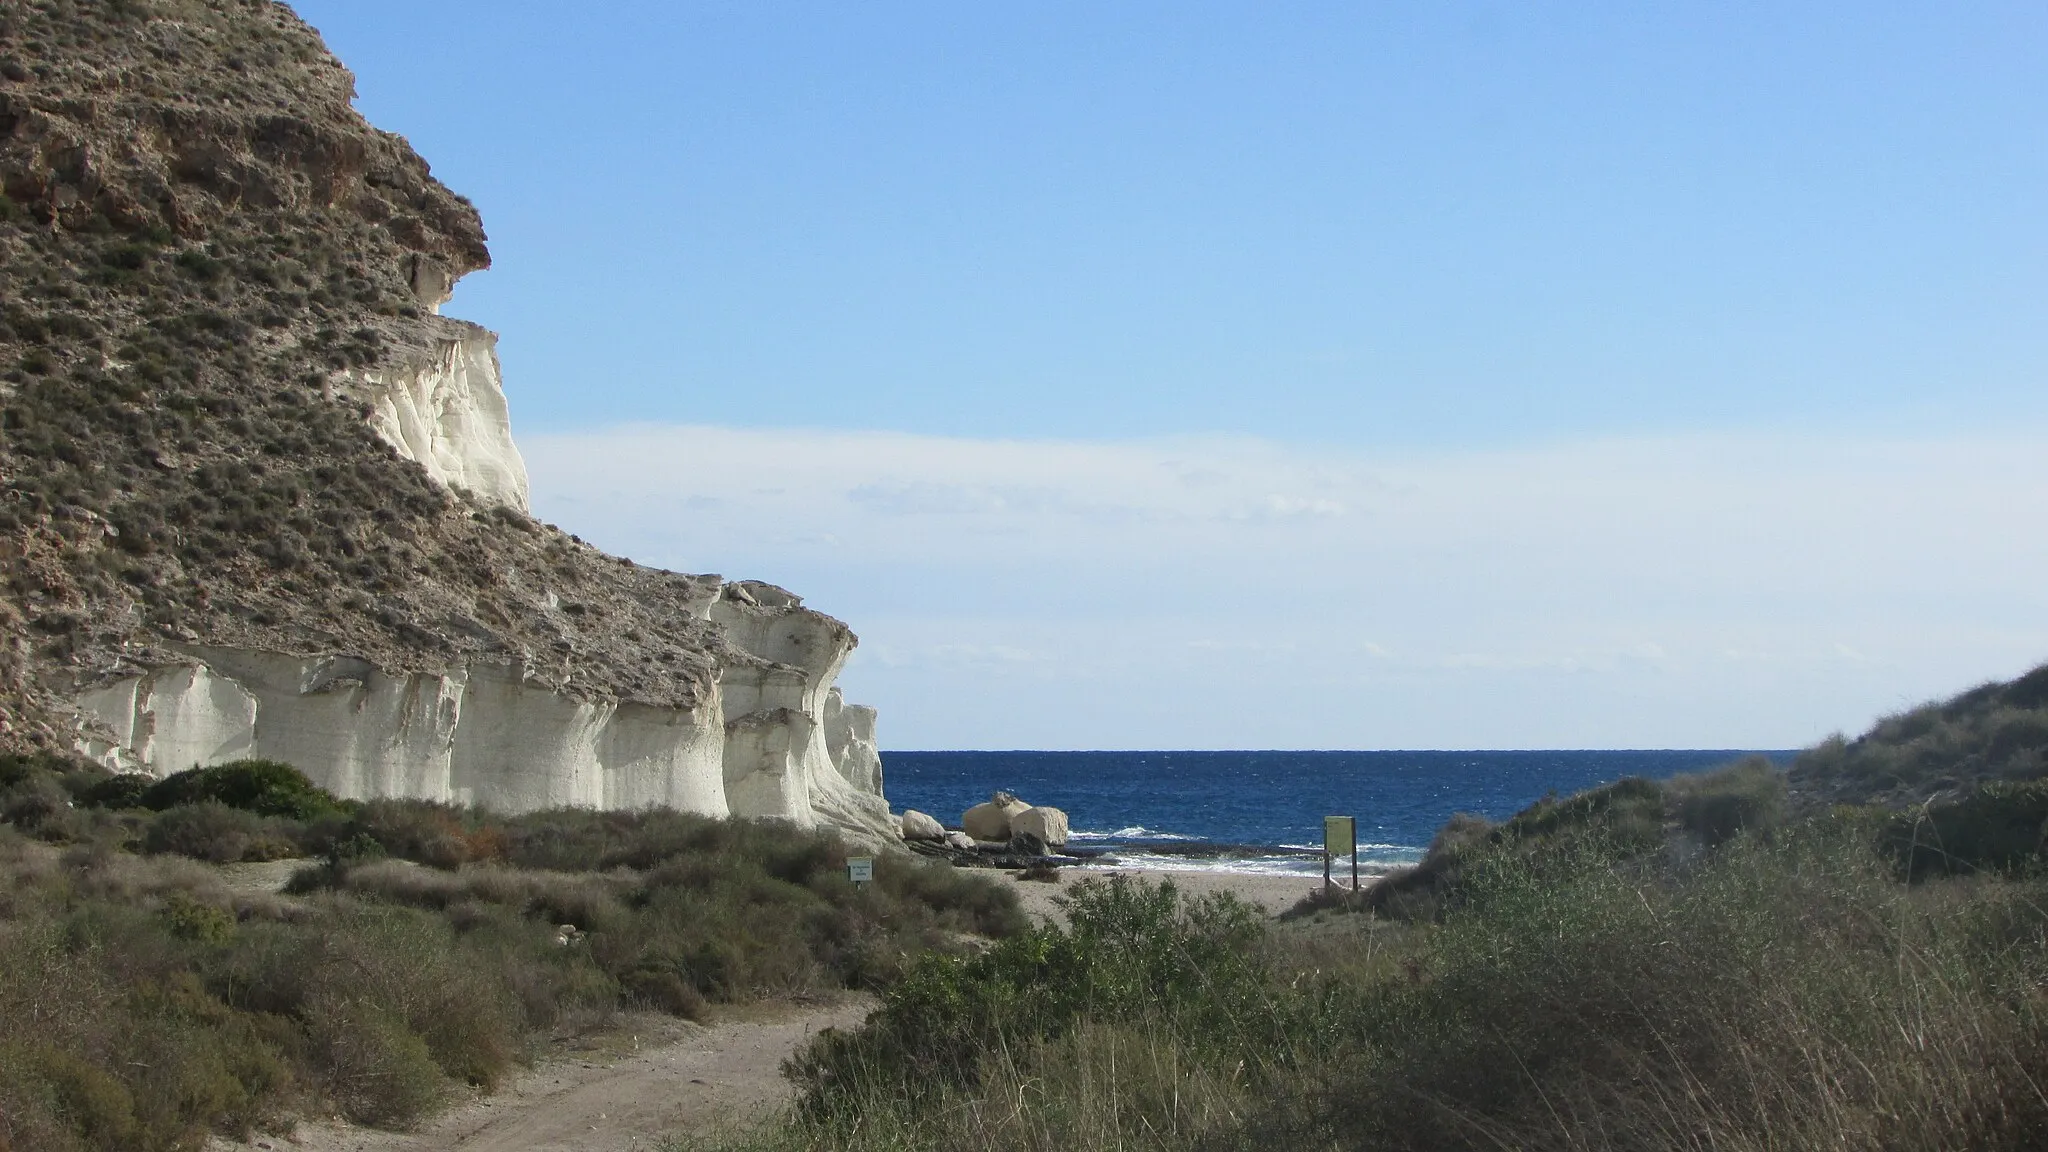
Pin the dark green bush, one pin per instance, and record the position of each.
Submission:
(125, 790)
(34, 802)
(1997, 827)
(1132, 951)
(264, 787)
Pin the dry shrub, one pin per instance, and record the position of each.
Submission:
(1717, 806)
(375, 1069)
(93, 1058)
(1784, 994)
(214, 832)
(377, 983)
(411, 966)
(437, 835)
(586, 901)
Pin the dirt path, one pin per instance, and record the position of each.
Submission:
(623, 1096)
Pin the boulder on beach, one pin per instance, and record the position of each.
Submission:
(1048, 824)
(918, 826)
(1028, 844)
(991, 821)
(959, 840)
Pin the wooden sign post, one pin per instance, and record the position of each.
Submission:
(860, 870)
(1340, 837)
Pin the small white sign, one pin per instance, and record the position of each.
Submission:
(860, 869)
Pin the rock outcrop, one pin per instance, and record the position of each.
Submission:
(483, 733)
(446, 411)
(990, 821)
(917, 825)
(257, 497)
(1048, 825)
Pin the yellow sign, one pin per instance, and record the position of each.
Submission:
(1340, 835)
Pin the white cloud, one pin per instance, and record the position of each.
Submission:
(1704, 590)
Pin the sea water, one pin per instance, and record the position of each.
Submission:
(1263, 811)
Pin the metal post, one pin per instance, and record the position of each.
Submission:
(1354, 856)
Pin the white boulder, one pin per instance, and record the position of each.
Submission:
(991, 821)
(1048, 824)
(918, 826)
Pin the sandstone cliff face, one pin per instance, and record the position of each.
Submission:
(258, 497)
(446, 412)
(481, 733)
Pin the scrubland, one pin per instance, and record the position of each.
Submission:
(146, 1002)
(1741, 959)
(1677, 965)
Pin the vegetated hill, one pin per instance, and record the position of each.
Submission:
(1995, 732)
(201, 245)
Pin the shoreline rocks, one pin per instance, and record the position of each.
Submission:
(918, 826)
(1004, 818)
(991, 821)
(1047, 824)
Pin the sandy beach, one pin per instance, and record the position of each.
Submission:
(1275, 894)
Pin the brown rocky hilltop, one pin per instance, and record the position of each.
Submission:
(258, 498)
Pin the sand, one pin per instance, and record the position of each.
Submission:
(1275, 894)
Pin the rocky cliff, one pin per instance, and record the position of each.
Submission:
(257, 497)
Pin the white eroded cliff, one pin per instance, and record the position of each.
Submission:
(446, 411)
(475, 734)
(766, 736)
(781, 712)
(773, 739)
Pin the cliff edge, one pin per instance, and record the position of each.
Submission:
(257, 497)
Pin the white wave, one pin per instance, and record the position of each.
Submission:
(1405, 853)
(1242, 865)
(1134, 832)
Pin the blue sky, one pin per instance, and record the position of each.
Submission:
(1417, 375)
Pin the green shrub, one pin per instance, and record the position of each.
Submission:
(264, 787)
(438, 835)
(1998, 827)
(1132, 951)
(1617, 823)
(212, 1010)
(200, 266)
(377, 1071)
(1990, 733)
(194, 920)
(34, 802)
(1782, 992)
(1717, 806)
(96, 1103)
(666, 989)
(123, 790)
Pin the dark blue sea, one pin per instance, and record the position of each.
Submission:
(1169, 809)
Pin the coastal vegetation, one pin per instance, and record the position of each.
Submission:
(1714, 961)
(151, 997)
(1994, 732)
